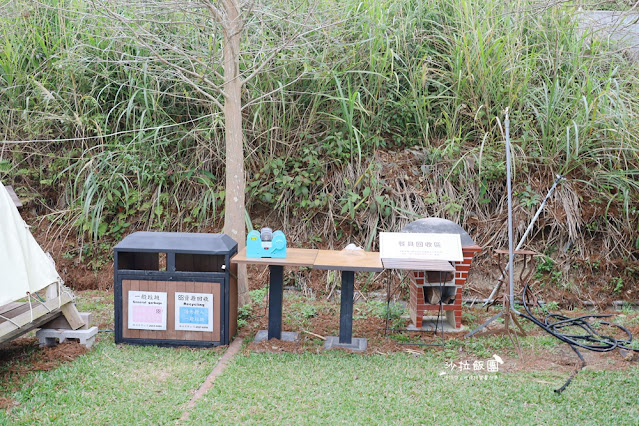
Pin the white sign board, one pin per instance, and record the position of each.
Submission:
(147, 310)
(194, 311)
(399, 245)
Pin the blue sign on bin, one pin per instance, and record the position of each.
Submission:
(190, 315)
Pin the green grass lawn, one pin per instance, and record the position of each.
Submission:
(335, 387)
(150, 385)
(113, 385)
(129, 384)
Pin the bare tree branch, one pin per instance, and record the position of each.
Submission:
(182, 71)
(287, 44)
(215, 12)
(265, 95)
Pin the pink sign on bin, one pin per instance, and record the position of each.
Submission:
(147, 310)
(149, 314)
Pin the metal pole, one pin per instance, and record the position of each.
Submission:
(346, 308)
(530, 227)
(275, 302)
(510, 215)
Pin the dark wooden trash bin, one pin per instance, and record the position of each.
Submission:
(175, 289)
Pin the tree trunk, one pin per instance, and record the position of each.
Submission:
(234, 218)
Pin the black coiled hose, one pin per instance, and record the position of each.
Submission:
(591, 340)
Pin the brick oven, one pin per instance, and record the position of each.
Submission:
(430, 287)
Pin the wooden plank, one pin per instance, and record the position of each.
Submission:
(294, 257)
(341, 261)
(21, 308)
(171, 334)
(72, 316)
(62, 324)
(6, 309)
(24, 320)
(13, 196)
(39, 323)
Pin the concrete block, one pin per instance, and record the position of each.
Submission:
(287, 336)
(432, 324)
(358, 344)
(51, 336)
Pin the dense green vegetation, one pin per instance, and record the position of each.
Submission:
(123, 140)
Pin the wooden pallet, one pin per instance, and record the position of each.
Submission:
(17, 319)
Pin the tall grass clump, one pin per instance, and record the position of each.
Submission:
(571, 105)
(387, 111)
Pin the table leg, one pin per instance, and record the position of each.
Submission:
(346, 308)
(345, 339)
(275, 302)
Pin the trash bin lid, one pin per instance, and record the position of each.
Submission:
(436, 225)
(177, 242)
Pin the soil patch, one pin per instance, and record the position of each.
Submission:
(82, 266)
(67, 351)
(542, 357)
(559, 358)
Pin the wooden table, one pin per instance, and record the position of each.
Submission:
(348, 264)
(294, 257)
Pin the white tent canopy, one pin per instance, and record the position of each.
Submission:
(24, 267)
